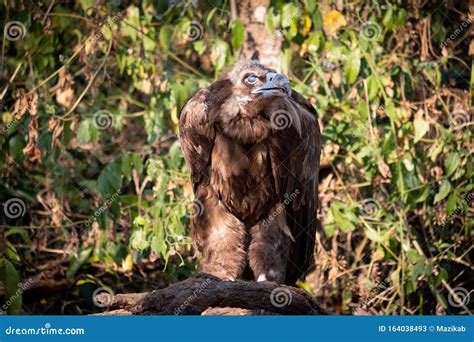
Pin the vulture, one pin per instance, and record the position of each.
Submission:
(252, 147)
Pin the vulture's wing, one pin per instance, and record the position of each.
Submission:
(197, 137)
(295, 153)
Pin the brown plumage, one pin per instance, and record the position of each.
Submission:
(252, 146)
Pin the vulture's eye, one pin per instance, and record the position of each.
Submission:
(252, 79)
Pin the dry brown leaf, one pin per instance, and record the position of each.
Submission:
(64, 90)
(24, 103)
(384, 169)
(31, 150)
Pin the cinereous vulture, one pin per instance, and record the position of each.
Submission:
(252, 146)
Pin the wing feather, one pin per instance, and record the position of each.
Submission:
(197, 136)
(295, 153)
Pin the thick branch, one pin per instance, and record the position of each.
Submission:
(194, 296)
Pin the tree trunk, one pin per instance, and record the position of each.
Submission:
(259, 42)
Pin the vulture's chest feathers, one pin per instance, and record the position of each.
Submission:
(242, 177)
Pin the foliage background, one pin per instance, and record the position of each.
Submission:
(90, 96)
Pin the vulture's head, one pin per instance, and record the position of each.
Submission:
(247, 95)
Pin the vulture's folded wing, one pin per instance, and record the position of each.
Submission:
(197, 137)
(295, 153)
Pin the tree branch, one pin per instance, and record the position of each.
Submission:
(205, 293)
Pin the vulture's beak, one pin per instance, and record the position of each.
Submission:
(275, 85)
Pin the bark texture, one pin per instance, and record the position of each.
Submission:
(259, 42)
(208, 295)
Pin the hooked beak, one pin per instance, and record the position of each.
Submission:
(275, 85)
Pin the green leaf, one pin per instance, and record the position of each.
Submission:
(452, 163)
(109, 181)
(138, 240)
(137, 162)
(199, 46)
(352, 66)
(372, 87)
(11, 282)
(237, 34)
(400, 18)
(166, 36)
(339, 213)
(17, 143)
(391, 113)
(126, 166)
(84, 132)
(388, 18)
(76, 264)
(221, 50)
(444, 191)
(373, 235)
(423, 194)
(452, 202)
(289, 15)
